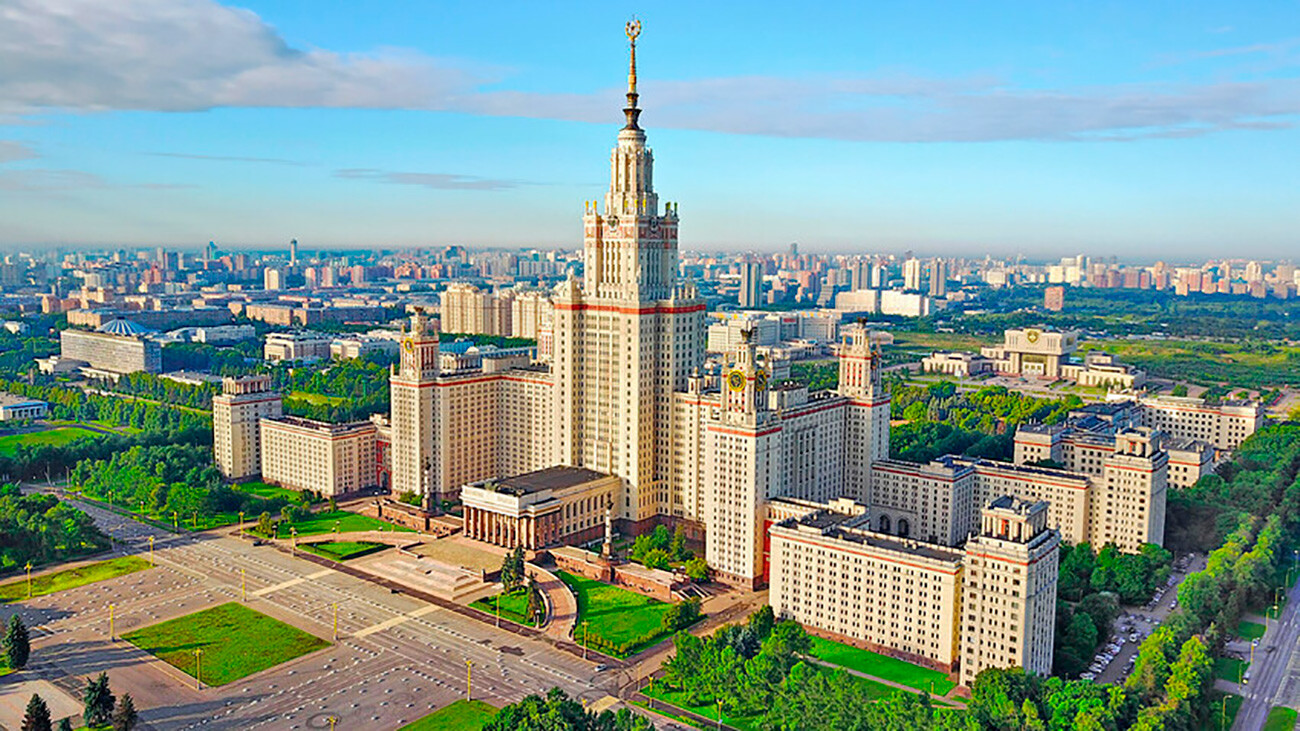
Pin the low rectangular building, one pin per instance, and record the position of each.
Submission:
(539, 509)
(14, 407)
(330, 459)
(296, 346)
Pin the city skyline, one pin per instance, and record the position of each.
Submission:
(1077, 130)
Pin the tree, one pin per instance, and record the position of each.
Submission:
(556, 711)
(536, 602)
(37, 717)
(65, 724)
(98, 702)
(697, 569)
(125, 717)
(656, 559)
(17, 643)
(677, 549)
(682, 615)
(264, 524)
(512, 569)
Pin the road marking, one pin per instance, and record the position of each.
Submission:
(291, 582)
(399, 619)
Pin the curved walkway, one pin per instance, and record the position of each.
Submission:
(561, 602)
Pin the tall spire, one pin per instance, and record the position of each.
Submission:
(633, 30)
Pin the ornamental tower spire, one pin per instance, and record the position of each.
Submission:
(633, 30)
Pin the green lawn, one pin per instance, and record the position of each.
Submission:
(615, 615)
(166, 521)
(53, 437)
(14, 591)
(1249, 630)
(514, 606)
(461, 715)
(1222, 716)
(235, 641)
(319, 523)
(266, 492)
(678, 698)
(317, 399)
(1229, 669)
(1280, 718)
(888, 668)
(342, 550)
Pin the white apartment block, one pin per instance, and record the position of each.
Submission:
(330, 459)
(304, 346)
(900, 597)
(465, 308)
(1224, 425)
(236, 434)
(530, 314)
(1008, 598)
(111, 352)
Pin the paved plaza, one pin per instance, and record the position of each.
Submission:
(396, 657)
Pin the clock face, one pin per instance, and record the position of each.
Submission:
(409, 345)
(736, 381)
(760, 380)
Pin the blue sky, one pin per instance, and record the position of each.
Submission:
(1152, 129)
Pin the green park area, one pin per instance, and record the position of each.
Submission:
(869, 689)
(317, 399)
(71, 578)
(1248, 630)
(513, 606)
(266, 492)
(342, 550)
(317, 523)
(614, 620)
(1280, 718)
(56, 437)
(234, 641)
(1230, 669)
(880, 666)
(461, 715)
(1244, 364)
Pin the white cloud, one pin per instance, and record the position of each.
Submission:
(193, 55)
(11, 151)
(438, 181)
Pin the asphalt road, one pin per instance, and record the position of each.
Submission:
(1274, 677)
(396, 659)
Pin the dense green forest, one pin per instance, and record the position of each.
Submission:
(160, 480)
(942, 420)
(40, 528)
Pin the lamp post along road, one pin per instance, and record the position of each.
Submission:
(29, 579)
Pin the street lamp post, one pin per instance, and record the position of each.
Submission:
(584, 639)
(719, 714)
(112, 635)
(243, 586)
(241, 524)
(469, 680)
(176, 518)
(198, 668)
(29, 579)
(293, 535)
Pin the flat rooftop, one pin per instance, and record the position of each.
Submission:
(854, 528)
(551, 478)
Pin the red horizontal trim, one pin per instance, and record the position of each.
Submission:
(742, 433)
(654, 309)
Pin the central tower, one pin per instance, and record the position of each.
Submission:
(630, 335)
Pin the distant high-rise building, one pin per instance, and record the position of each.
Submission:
(912, 275)
(938, 278)
(1054, 298)
(751, 284)
(293, 252)
(273, 278)
(211, 251)
(879, 275)
(1254, 272)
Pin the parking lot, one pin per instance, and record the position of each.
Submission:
(1115, 659)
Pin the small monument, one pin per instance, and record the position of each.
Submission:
(607, 550)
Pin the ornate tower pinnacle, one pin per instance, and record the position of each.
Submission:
(633, 30)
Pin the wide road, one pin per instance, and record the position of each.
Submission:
(1275, 674)
(396, 657)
